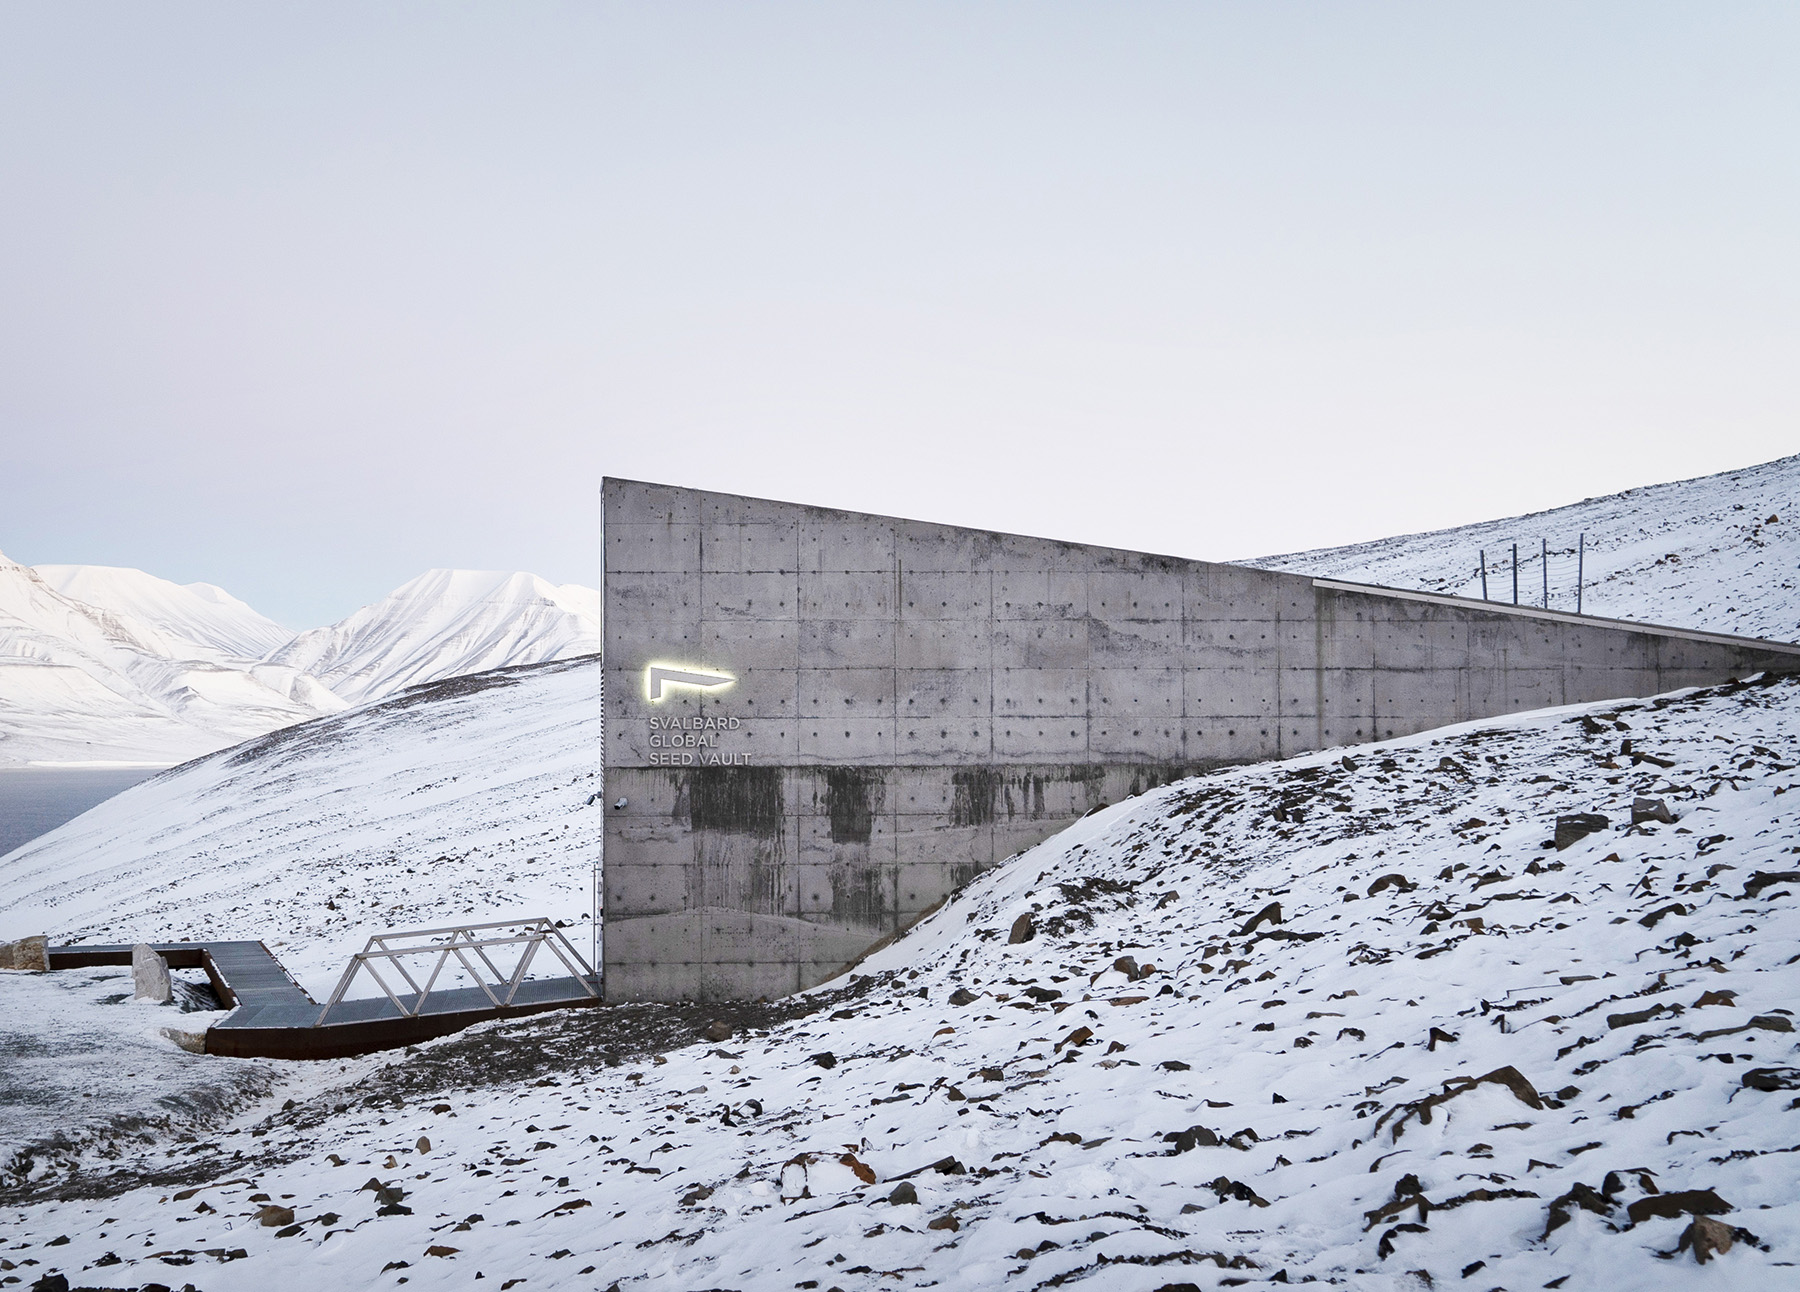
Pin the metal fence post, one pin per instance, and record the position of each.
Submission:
(1580, 571)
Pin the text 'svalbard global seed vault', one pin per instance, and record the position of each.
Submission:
(819, 723)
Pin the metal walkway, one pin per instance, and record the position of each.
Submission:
(272, 1017)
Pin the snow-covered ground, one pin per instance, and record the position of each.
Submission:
(106, 666)
(1720, 553)
(465, 798)
(1345, 1017)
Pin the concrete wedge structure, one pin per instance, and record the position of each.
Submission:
(819, 723)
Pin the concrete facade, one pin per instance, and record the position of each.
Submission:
(856, 714)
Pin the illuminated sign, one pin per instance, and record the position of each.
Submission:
(659, 676)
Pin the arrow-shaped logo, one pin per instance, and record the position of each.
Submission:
(660, 675)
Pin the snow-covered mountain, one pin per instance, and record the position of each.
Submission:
(447, 623)
(107, 665)
(462, 797)
(84, 683)
(1385, 1037)
(1719, 553)
(208, 617)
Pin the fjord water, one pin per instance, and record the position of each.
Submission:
(35, 800)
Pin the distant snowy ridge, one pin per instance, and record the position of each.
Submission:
(447, 623)
(1719, 553)
(81, 683)
(208, 617)
(106, 665)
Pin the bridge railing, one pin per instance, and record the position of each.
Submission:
(469, 945)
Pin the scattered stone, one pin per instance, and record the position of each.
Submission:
(1771, 1079)
(963, 996)
(274, 1217)
(1707, 1237)
(946, 1221)
(1080, 1036)
(1760, 880)
(192, 1042)
(1023, 930)
(903, 1195)
(29, 955)
(1683, 1202)
(1643, 809)
(1395, 880)
(1233, 1190)
(150, 975)
(1637, 1016)
(825, 1059)
(717, 1030)
(1191, 1138)
(1582, 1195)
(1715, 998)
(1577, 826)
(1271, 913)
(422, 1145)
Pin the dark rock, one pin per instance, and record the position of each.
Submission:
(1191, 1138)
(1760, 880)
(717, 1030)
(1395, 880)
(825, 1059)
(1636, 1016)
(1771, 1079)
(963, 996)
(1683, 1202)
(1643, 809)
(1023, 930)
(903, 1195)
(1577, 826)
(1270, 913)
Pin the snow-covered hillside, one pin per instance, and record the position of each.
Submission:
(1346, 1019)
(83, 683)
(207, 617)
(106, 665)
(1720, 553)
(462, 798)
(447, 623)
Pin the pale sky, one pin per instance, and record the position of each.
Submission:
(304, 299)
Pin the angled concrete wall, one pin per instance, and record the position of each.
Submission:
(908, 704)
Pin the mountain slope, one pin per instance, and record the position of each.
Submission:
(1719, 553)
(463, 798)
(447, 623)
(207, 617)
(1344, 1019)
(83, 683)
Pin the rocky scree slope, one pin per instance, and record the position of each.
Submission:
(1347, 1018)
(1720, 553)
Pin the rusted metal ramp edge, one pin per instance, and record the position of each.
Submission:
(365, 1026)
(274, 1018)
